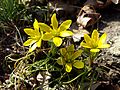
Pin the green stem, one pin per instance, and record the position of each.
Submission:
(73, 79)
(92, 57)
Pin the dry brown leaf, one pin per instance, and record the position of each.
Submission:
(83, 21)
(115, 1)
(78, 34)
(87, 16)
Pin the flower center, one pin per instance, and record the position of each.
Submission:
(55, 33)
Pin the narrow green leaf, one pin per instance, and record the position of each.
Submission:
(76, 54)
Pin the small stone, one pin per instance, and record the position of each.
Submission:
(115, 47)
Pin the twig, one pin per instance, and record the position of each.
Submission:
(18, 77)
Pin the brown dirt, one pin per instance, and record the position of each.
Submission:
(109, 59)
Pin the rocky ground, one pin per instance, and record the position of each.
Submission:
(110, 58)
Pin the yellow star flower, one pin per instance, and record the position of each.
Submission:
(35, 36)
(68, 58)
(55, 33)
(95, 43)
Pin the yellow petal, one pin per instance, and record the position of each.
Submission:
(35, 25)
(54, 22)
(28, 42)
(45, 27)
(36, 37)
(78, 64)
(63, 51)
(57, 41)
(95, 35)
(87, 39)
(102, 39)
(39, 43)
(68, 67)
(47, 36)
(104, 46)
(85, 45)
(94, 43)
(76, 54)
(66, 33)
(94, 50)
(33, 47)
(29, 31)
(65, 25)
(60, 61)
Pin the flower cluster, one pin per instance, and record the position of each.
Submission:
(42, 31)
(69, 58)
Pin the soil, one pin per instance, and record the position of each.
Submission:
(109, 58)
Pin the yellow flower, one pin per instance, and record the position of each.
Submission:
(55, 33)
(68, 58)
(95, 43)
(35, 36)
